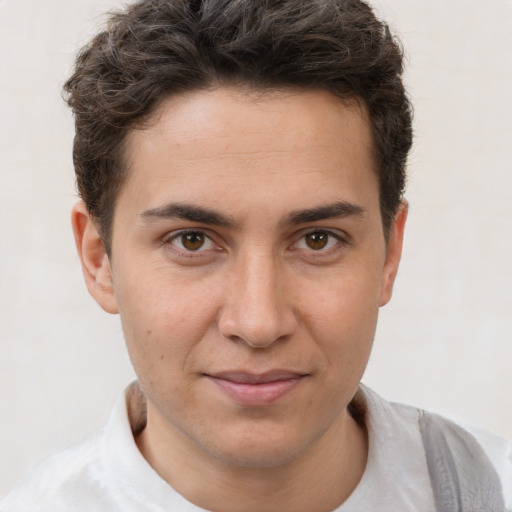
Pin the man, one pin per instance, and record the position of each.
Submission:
(241, 166)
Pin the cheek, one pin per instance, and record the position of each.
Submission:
(163, 320)
(342, 318)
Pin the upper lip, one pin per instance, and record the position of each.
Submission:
(243, 377)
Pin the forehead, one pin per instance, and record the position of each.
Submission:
(257, 143)
(236, 114)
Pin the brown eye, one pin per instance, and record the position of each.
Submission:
(192, 241)
(317, 240)
(186, 243)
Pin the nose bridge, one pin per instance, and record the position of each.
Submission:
(257, 309)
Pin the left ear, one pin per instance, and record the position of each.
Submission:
(393, 253)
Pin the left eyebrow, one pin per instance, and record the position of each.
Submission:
(340, 209)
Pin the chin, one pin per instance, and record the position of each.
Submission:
(266, 450)
(260, 457)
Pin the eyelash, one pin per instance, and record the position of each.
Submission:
(341, 242)
(183, 252)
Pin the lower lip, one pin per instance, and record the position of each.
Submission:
(254, 395)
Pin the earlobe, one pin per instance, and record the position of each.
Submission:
(394, 253)
(93, 257)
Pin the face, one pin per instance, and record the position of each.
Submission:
(248, 266)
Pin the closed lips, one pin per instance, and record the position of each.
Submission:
(242, 377)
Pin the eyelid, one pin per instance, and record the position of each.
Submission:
(343, 240)
(170, 237)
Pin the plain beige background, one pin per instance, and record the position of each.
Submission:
(445, 341)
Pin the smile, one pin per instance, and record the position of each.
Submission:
(256, 390)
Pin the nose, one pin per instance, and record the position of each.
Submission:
(257, 309)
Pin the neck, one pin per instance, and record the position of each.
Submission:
(320, 479)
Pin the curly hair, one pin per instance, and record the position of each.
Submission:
(156, 48)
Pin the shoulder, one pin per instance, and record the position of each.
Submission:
(499, 452)
(68, 480)
(96, 474)
(453, 451)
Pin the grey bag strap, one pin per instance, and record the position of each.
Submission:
(462, 476)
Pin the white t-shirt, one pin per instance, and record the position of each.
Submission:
(107, 473)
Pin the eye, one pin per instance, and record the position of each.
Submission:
(318, 240)
(192, 241)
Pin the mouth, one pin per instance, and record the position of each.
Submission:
(253, 390)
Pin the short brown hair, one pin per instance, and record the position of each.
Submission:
(155, 48)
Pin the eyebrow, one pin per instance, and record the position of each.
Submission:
(189, 212)
(203, 215)
(339, 209)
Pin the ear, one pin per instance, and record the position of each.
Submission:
(94, 259)
(393, 253)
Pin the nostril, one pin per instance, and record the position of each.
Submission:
(257, 331)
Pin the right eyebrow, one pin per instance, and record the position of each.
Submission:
(188, 212)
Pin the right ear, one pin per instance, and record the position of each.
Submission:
(94, 259)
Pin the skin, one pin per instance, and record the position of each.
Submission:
(286, 270)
